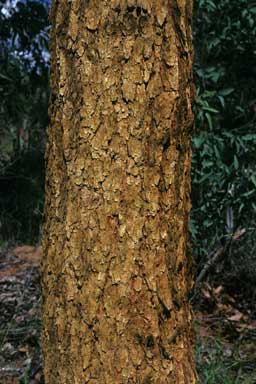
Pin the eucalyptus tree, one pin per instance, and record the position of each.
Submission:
(117, 266)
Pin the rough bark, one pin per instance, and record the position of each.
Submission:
(116, 267)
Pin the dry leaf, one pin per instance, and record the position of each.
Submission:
(237, 317)
(23, 349)
(218, 290)
(29, 254)
(206, 294)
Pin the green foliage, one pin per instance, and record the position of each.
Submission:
(218, 363)
(224, 144)
(21, 197)
(211, 365)
(23, 117)
(23, 76)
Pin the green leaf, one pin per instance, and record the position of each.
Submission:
(236, 163)
(247, 194)
(226, 91)
(209, 119)
(213, 110)
(197, 141)
(253, 179)
(249, 136)
(222, 101)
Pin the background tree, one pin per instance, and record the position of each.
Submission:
(116, 266)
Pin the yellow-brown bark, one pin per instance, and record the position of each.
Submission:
(116, 267)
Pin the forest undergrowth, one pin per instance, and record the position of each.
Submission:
(224, 325)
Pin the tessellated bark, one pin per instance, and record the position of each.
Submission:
(116, 267)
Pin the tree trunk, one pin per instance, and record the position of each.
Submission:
(117, 267)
